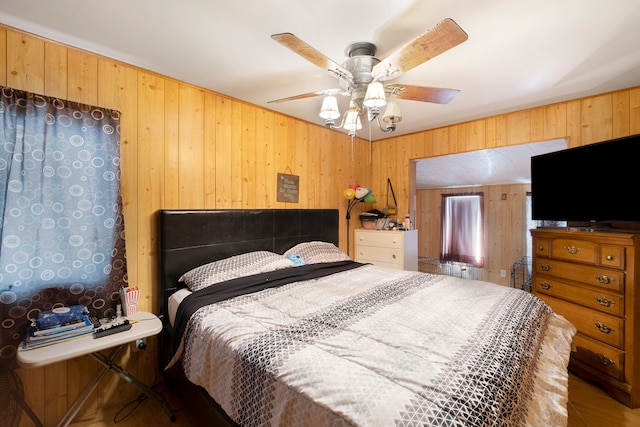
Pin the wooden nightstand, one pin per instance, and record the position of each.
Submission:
(143, 325)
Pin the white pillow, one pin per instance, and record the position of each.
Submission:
(316, 252)
(234, 267)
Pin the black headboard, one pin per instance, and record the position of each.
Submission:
(189, 238)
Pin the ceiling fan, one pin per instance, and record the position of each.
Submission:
(363, 77)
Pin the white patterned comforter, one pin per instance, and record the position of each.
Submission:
(381, 347)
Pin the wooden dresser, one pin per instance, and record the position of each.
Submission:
(591, 278)
(388, 248)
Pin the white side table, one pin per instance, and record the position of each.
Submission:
(143, 325)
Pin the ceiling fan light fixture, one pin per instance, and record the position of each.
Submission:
(375, 97)
(352, 121)
(392, 114)
(329, 109)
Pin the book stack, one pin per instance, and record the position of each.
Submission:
(57, 325)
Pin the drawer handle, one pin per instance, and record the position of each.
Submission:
(605, 302)
(604, 279)
(604, 328)
(572, 249)
(545, 267)
(541, 248)
(603, 359)
(609, 258)
(393, 256)
(544, 285)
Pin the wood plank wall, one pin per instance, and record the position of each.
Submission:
(187, 147)
(505, 225)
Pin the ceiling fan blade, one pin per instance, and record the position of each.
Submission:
(312, 55)
(302, 96)
(444, 36)
(422, 93)
(312, 94)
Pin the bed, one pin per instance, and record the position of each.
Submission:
(268, 323)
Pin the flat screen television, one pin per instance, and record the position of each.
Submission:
(592, 185)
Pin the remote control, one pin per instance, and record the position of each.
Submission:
(114, 329)
(96, 322)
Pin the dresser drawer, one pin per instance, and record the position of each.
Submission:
(607, 302)
(600, 326)
(612, 280)
(378, 255)
(381, 239)
(574, 250)
(612, 256)
(599, 356)
(541, 247)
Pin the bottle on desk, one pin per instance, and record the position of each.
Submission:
(407, 225)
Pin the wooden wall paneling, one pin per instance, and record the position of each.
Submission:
(82, 81)
(169, 144)
(490, 132)
(112, 389)
(80, 371)
(494, 236)
(377, 180)
(518, 127)
(391, 172)
(56, 70)
(302, 152)
(209, 151)
(248, 155)
(191, 140)
(117, 89)
(597, 118)
(237, 180)
(537, 124)
(292, 148)
(471, 136)
(33, 382)
(330, 171)
(621, 114)
(320, 140)
(555, 121)
(574, 123)
(151, 182)
(401, 183)
(266, 175)
(501, 132)
(420, 145)
(25, 62)
(3, 56)
(223, 153)
(440, 142)
(634, 111)
(55, 393)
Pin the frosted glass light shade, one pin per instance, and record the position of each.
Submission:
(329, 109)
(392, 113)
(352, 121)
(375, 96)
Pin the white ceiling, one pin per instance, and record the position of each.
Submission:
(519, 54)
(494, 166)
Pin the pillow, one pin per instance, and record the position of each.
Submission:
(316, 252)
(234, 267)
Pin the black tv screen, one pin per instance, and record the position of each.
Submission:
(592, 183)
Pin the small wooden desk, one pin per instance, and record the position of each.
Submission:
(144, 325)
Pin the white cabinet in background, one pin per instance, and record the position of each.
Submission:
(387, 248)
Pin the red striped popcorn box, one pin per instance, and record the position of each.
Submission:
(129, 298)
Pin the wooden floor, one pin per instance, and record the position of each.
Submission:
(589, 406)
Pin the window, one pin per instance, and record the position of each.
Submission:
(462, 228)
(61, 223)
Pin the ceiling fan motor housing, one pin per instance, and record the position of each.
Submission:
(360, 63)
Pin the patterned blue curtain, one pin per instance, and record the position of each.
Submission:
(62, 228)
